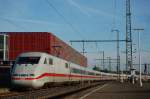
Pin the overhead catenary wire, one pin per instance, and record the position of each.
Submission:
(13, 23)
(65, 20)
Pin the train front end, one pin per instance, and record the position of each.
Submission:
(23, 73)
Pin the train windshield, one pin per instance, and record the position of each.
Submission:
(28, 60)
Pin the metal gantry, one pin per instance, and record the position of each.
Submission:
(4, 46)
(96, 41)
(108, 60)
(92, 41)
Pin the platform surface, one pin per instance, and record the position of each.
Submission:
(116, 90)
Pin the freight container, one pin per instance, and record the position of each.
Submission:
(20, 42)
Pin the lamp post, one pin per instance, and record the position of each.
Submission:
(118, 54)
(139, 49)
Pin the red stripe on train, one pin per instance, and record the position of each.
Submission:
(53, 75)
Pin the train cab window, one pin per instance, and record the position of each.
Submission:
(66, 65)
(45, 61)
(50, 61)
(28, 60)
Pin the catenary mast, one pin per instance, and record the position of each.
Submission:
(128, 37)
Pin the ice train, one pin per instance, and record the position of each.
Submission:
(35, 69)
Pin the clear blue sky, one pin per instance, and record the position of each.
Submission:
(84, 19)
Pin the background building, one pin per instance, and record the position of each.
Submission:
(19, 42)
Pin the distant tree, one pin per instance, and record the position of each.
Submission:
(137, 72)
(96, 68)
(105, 70)
(126, 72)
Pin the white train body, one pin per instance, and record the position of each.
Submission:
(34, 69)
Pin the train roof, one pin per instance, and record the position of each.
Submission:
(32, 54)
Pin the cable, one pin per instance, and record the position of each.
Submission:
(65, 20)
(11, 22)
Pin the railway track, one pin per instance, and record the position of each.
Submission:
(51, 93)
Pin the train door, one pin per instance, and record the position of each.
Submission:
(67, 71)
(52, 69)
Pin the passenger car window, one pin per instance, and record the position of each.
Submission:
(74, 70)
(50, 61)
(66, 65)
